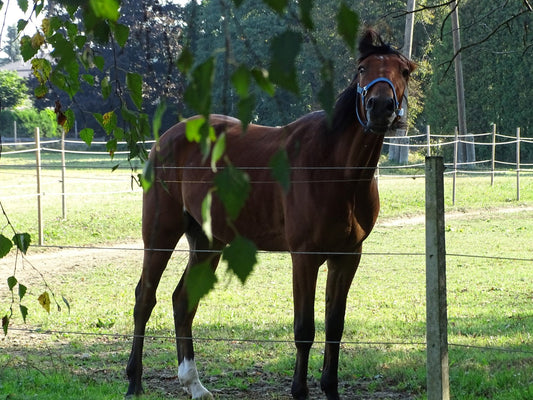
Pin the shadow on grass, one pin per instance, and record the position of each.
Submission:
(53, 367)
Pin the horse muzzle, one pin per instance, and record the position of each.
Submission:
(381, 113)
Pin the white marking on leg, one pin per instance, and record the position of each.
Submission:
(188, 376)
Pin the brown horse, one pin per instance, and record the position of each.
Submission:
(328, 211)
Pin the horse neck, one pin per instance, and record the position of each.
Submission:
(356, 149)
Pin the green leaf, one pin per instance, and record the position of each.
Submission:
(158, 117)
(206, 215)
(111, 147)
(121, 33)
(106, 87)
(306, 6)
(198, 92)
(71, 120)
(5, 246)
(233, 188)
(148, 176)
(284, 49)
(134, 83)
(22, 241)
(11, 282)
(218, 151)
(22, 291)
(44, 301)
(261, 78)
(277, 5)
(23, 5)
(105, 9)
(200, 131)
(241, 81)
(40, 91)
(347, 25)
(245, 110)
(99, 62)
(23, 312)
(88, 78)
(192, 129)
(199, 281)
(185, 60)
(241, 257)
(5, 323)
(87, 135)
(21, 24)
(26, 49)
(281, 169)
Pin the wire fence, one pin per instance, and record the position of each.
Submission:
(434, 144)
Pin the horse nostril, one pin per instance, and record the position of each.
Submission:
(371, 103)
(390, 105)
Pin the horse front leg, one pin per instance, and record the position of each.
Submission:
(305, 271)
(341, 271)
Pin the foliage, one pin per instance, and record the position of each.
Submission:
(12, 47)
(28, 119)
(494, 66)
(13, 90)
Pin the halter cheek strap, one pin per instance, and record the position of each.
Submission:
(363, 91)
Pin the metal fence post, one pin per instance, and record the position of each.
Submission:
(517, 164)
(438, 382)
(63, 173)
(39, 194)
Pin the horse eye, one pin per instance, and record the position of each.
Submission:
(361, 69)
(405, 73)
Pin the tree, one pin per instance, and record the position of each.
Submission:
(12, 48)
(13, 90)
(495, 62)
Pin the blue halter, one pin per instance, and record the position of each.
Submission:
(363, 91)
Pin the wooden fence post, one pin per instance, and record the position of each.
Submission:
(517, 164)
(39, 194)
(438, 381)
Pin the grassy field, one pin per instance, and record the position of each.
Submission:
(244, 348)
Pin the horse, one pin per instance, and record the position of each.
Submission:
(325, 215)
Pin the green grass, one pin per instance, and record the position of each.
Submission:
(490, 306)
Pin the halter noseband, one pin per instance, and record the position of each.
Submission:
(363, 91)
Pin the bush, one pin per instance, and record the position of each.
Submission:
(27, 120)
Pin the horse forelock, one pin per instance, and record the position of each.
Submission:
(371, 43)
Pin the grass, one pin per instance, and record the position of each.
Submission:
(490, 305)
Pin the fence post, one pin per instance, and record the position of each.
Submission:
(493, 159)
(14, 131)
(455, 151)
(438, 381)
(428, 140)
(517, 164)
(39, 195)
(63, 173)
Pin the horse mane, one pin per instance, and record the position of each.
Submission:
(344, 111)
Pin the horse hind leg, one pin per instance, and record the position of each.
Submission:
(201, 251)
(161, 232)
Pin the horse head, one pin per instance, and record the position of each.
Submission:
(382, 77)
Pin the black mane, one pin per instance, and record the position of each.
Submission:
(344, 111)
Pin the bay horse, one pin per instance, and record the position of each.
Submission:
(328, 211)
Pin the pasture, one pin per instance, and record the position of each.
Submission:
(244, 346)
